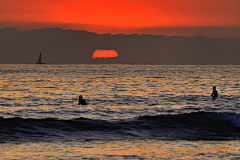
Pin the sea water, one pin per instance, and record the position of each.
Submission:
(133, 112)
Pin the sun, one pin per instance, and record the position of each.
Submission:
(99, 53)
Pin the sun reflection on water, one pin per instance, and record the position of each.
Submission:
(133, 149)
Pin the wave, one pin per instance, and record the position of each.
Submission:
(188, 126)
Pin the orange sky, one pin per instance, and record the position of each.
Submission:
(122, 13)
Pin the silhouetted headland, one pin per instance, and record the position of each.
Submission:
(71, 46)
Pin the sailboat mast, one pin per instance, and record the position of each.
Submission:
(40, 58)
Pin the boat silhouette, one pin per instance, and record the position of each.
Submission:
(40, 60)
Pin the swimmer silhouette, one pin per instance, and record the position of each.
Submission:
(81, 101)
(214, 93)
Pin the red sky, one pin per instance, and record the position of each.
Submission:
(119, 15)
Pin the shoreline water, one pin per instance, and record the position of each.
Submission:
(126, 149)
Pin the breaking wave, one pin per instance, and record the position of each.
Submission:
(188, 126)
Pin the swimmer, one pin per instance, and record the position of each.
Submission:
(81, 101)
(214, 93)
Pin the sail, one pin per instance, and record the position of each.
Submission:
(39, 60)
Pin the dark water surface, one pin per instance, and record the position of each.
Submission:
(133, 111)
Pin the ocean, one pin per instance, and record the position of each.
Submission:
(134, 111)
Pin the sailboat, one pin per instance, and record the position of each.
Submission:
(40, 60)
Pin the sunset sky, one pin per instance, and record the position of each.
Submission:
(126, 16)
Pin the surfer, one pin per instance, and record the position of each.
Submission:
(214, 93)
(81, 101)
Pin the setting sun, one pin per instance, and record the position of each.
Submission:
(99, 53)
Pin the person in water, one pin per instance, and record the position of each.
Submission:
(214, 93)
(81, 101)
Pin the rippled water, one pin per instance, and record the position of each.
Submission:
(130, 109)
(41, 91)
